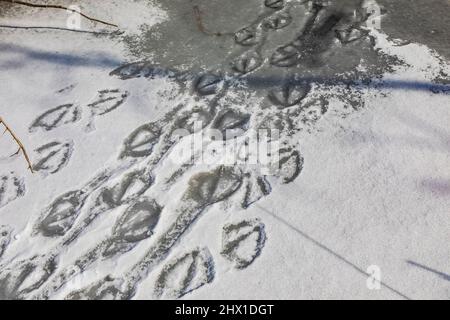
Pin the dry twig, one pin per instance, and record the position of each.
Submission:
(200, 25)
(19, 143)
(55, 6)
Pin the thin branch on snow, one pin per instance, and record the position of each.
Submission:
(117, 32)
(54, 6)
(19, 143)
(200, 25)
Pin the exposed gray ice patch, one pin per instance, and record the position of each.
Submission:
(61, 214)
(274, 51)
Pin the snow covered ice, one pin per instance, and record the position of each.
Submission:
(355, 207)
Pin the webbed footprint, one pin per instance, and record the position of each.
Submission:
(56, 117)
(5, 238)
(141, 141)
(105, 102)
(185, 274)
(25, 276)
(105, 289)
(53, 157)
(135, 225)
(11, 188)
(204, 189)
(289, 94)
(231, 123)
(255, 189)
(142, 69)
(290, 165)
(60, 216)
(247, 62)
(131, 186)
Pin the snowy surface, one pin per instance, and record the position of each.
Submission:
(374, 189)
